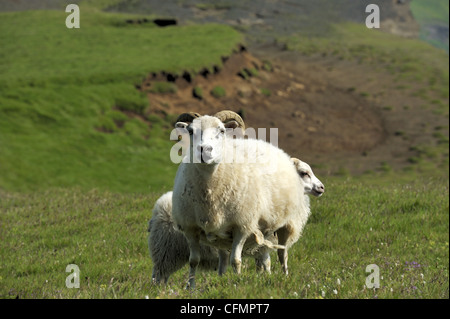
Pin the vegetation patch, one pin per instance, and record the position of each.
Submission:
(265, 92)
(197, 92)
(163, 87)
(406, 238)
(267, 66)
(218, 92)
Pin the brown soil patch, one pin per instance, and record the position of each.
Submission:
(312, 115)
(340, 116)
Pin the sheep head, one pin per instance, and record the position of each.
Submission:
(207, 133)
(312, 184)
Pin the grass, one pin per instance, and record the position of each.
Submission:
(104, 49)
(431, 13)
(426, 11)
(82, 163)
(402, 227)
(58, 125)
(267, 66)
(197, 92)
(247, 73)
(401, 57)
(163, 87)
(265, 92)
(218, 92)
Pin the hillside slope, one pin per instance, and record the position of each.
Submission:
(60, 89)
(77, 109)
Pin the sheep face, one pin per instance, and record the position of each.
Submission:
(313, 185)
(207, 137)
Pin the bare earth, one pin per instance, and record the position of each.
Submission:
(317, 105)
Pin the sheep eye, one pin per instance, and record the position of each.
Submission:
(303, 174)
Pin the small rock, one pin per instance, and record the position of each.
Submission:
(299, 86)
(245, 91)
(243, 101)
(249, 22)
(282, 94)
(295, 86)
(299, 114)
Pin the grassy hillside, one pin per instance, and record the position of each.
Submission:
(431, 13)
(428, 11)
(406, 59)
(60, 90)
(401, 227)
(38, 49)
(417, 73)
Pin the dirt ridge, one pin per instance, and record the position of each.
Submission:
(313, 117)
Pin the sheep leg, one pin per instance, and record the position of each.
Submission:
(239, 239)
(259, 264)
(223, 261)
(262, 262)
(283, 234)
(156, 278)
(283, 257)
(194, 258)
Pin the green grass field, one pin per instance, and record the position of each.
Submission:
(427, 11)
(401, 227)
(60, 88)
(72, 194)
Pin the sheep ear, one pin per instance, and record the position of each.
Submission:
(231, 124)
(295, 161)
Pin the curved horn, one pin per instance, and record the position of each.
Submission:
(187, 117)
(227, 115)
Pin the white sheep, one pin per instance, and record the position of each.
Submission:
(230, 204)
(169, 249)
(168, 246)
(290, 233)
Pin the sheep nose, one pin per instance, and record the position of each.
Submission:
(321, 189)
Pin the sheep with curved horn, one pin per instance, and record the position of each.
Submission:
(229, 204)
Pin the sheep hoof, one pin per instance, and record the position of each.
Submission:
(236, 266)
(190, 284)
